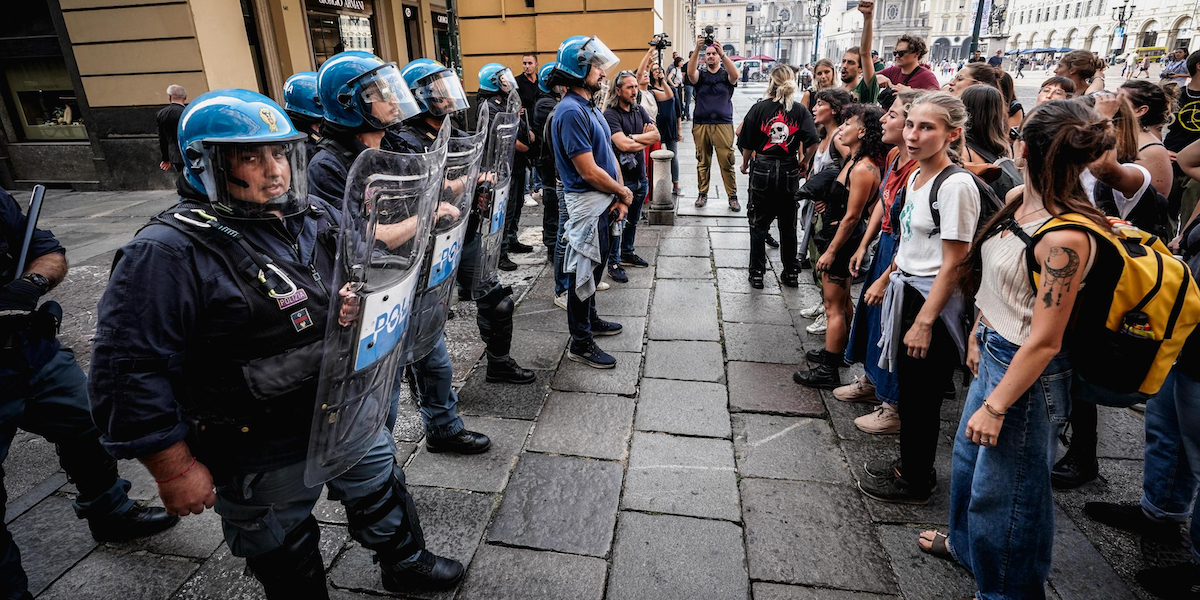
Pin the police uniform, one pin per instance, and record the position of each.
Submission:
(497, 102)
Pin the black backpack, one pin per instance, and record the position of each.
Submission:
(1010, 176)
(1150, 214)
(989, 204)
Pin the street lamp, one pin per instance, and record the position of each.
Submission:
(1122, 14)
(817, 10)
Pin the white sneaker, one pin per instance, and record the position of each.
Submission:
(859, 390)
(884, 420)
(530, 200)
(813, 311)
(561, 300)
(603, 285)
(818, 326)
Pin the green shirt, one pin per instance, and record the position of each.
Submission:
(878, 66)
(867, 90)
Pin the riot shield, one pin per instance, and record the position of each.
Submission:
(495, 174)
(386, 214)
(444, 252)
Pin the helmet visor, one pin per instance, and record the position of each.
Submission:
(257, 181)
(441, 94)
(598, 54)
(386, 98)
(506, 81)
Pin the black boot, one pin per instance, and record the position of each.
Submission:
(506, 370)
(137, 522)
(824, 374)
(463, 442)
(1074, 470)
(295, 569)
(429, 572)
(818, 355)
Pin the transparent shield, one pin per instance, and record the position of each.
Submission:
(492, 193)
(442, 257)
(441, 94)
(386, 217)
(386, 98)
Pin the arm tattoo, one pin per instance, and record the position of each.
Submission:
(1057, 279)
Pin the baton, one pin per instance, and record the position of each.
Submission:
(35, 210)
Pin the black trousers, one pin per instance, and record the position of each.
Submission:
(922, 382)
(773, 185)
(516, 201)
(549, 208)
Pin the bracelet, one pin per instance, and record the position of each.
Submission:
(992, 411)
(181, 474)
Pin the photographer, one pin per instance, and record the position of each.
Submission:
(712, 128)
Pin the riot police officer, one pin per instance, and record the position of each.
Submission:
(302, 105)
(209, 345)
(496, 82)
(43, 390)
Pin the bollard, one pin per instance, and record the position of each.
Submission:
(662, 202)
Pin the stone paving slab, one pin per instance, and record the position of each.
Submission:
(538, 350)
(621, 301)
(538, 316)
(683, 407)
(737, 280)
(684, 310)
(51, 540)
(937, 511)
(753, 342)
(802, 296)
(775, 591)
(768, 388)
(682, 476)
(621, 379)
(1124, 433)
(677, 558)
(684, 267)
(592, 425)
(731, 258)
(812, 533)
(560, 503)
(195, 536)
(633, 333)
(640, 278)
(107, 574)
(500, 572)
(678, 231)
(844, 413)
(772, 446)
(688, 361)
(730, 240)
(1079, 571)
(486, 472)
(922, 575)
(684, 246)
(31, 458)
(754, 308)
(453, 522)
(480, 398)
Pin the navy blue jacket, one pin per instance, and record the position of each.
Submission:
(170, 305)
(12, 236)
(327, 172)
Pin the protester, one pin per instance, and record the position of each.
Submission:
(972, 74)
(712, 128)
(922, 337)
(1056, 88)
(168, 126)
(1152, 105)
(1016, 112)
(1021, 63)
(908, 73)
(675, 80)
(689, 90)
(667, 121)
(632, 131)
(776, 136)
(858, 72)
(822, 79)
(1176, 67)
(997, 61)
(1185, 191)
(1085, 69)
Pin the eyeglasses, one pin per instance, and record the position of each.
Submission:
(899, 53)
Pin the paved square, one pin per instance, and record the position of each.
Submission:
(689, 361)
(486, 472)
(684, 310)
(500, 572)
(621, 379)
(591, 425)
(787, 448)
(684, 267)
(683, 407)
(676, 558)
(682, 476)
(752, 342)
(768, 388)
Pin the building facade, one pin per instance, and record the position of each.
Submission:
(785, 30)
(893, 18)
(728, 20)
(951, 23)
(1090, 25)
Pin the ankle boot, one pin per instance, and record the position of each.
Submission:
(824, 374)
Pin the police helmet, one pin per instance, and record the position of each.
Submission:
(544, 73)
(578, 53)
(437, 90)
(360, 92)
(495, 77)
(241, 150)
(300, 96)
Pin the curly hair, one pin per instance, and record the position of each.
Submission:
(915, 44)
(838, 100)
(873, 146)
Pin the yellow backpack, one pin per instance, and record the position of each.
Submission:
(1138, 306)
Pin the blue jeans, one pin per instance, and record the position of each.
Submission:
(432, 378)
(1001, 503)
(673, 146)
(259, 509)
(54, 404)
(864, 334)
(560, 247)
(625, 244)
(688, 90)
(1172, 453)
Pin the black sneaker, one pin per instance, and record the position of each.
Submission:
(617, 274)
(602, 327)
(892, 488)
(1131, 518)
(506, 264)
(1176, 582)
(1073, 471)
(756, 280)
(790, 279)
(429, 572)
(734, 205)
(592, 356)
(633, 260)
(805, 263)
(772, 242)
(882, 468)
(519, 248)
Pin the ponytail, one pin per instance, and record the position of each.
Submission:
(782, 87)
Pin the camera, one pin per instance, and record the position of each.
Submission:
(708, 35)
(660, 41)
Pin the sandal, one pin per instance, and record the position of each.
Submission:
(937, 545)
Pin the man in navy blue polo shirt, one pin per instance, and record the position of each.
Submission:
(594, 193)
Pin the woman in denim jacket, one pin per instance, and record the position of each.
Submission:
(1001, 505)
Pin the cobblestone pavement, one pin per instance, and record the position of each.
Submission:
(695, 469)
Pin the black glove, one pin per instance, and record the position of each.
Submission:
(19, 296)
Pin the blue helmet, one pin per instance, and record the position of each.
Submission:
(358, 92)
(578, 53)
(544, 78)
(495, 77)
(241, 150)
(300, 96)
(437, 90)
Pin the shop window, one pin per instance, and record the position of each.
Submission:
(44, 100)
(343, 28)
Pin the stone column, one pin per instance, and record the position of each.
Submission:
(662, 201)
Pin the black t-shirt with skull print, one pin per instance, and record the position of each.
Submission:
(771, 130)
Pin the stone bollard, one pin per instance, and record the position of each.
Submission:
(662, 202)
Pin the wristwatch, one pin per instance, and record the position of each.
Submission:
(39, 280)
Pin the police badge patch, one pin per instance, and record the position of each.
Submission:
(301, 320)
(292, 299)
